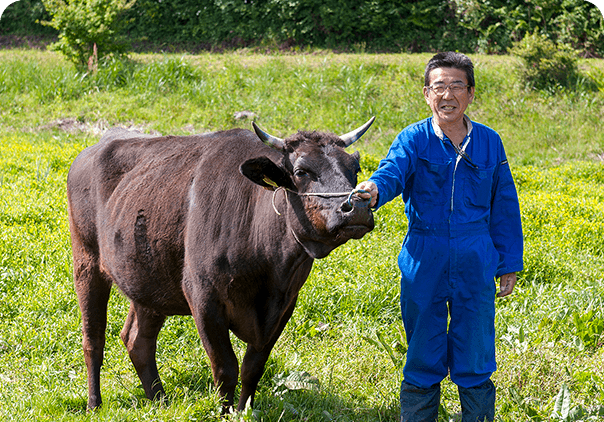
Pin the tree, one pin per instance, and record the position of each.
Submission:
(87, 25)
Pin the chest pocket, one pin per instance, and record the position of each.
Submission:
(478, 185)
(430, 182)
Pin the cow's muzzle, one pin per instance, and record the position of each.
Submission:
(354, 200)
(357, 217)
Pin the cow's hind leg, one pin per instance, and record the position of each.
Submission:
(140, 337)
(93, 290)
(213, 330)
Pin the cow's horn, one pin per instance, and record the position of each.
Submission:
(353, 136)
(270, 140)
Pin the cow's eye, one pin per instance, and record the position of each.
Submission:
(300, 173)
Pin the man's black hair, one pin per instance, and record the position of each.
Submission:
(450, 59)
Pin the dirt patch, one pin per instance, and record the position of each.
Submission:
(74, 125)
(68, 124)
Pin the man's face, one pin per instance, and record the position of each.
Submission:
(449, 107)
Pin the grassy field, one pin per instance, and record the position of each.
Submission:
(341, 355)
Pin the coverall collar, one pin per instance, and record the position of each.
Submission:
(441, 135)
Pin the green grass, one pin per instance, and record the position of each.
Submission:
(346, 333)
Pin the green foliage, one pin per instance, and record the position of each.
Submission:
(23, 17)
(88, 29)
(365, 25)
(544, 63)
(491, 21)
(497, 24)
(589, 328)
(564, 411)
(387, 24)
(571, 27)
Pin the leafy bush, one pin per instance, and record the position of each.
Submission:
(23, 18)
(544, 63)
(571, 27)
(361, 25)
(385, 25)
(87, 28)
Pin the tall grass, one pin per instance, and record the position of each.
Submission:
(287, 93)
(344, 346)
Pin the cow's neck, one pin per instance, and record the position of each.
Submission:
(313, 249)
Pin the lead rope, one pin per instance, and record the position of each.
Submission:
(324, 195)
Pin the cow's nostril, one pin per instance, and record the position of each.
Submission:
(346, 207)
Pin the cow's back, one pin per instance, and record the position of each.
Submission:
(129, 198)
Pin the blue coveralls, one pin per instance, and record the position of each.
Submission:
(464, 230)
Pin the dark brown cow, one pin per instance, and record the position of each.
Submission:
(177, 224)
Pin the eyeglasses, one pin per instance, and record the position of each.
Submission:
(455, 87)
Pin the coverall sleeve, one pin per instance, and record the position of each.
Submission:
(393, 171)
(506, 225)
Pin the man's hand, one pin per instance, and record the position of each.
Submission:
(372, 191)
(506, 284)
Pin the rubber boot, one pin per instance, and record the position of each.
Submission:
(478, 403)
(419, 404)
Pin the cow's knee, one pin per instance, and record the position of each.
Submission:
(141, 329)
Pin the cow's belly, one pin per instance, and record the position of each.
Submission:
(164, 297)
(154, 283)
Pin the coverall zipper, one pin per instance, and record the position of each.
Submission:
(453, 186)
(460, 152)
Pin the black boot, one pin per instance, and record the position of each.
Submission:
(478, 403)
(419, 404)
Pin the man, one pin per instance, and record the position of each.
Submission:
(464, 231)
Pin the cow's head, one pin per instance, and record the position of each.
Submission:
(315, 162)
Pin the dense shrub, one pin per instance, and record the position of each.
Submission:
(545, 64)
(387, 25)
(372, 25)
(23, 17)
(496, 24)
(572, 24)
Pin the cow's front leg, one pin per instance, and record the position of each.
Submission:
(140, 337)
(255, 359)
(252, 369)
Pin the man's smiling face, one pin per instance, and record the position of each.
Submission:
(448, 108)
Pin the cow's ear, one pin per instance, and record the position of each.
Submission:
(266, 173)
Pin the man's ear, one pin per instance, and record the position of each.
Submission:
(426, 92)
(266, 173)
(471, 93)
